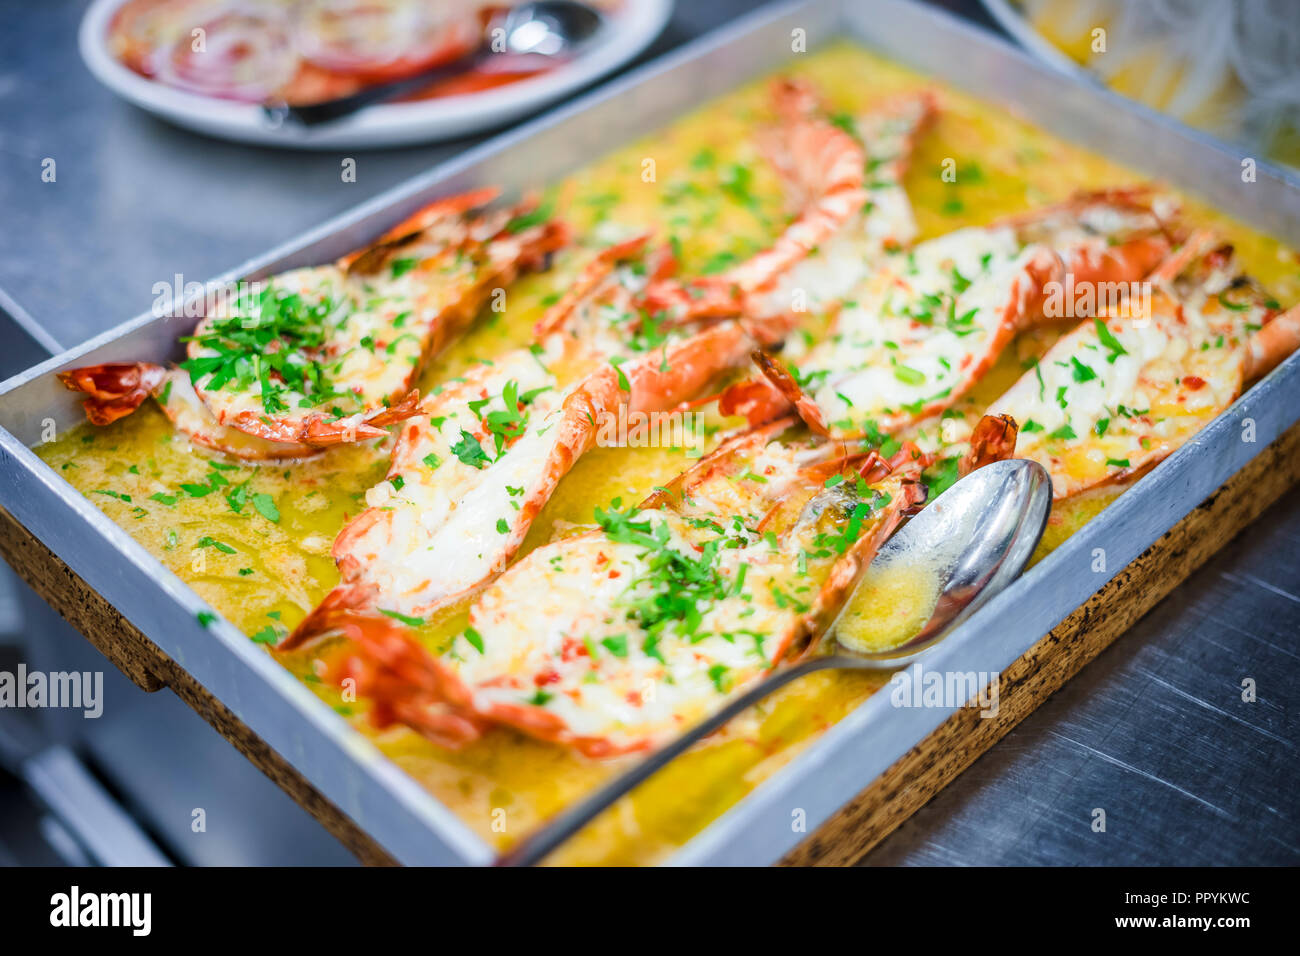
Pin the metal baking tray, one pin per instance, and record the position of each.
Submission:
(390, 806)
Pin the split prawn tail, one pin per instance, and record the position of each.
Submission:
(1199, 298)
(772, 394)
(369, 258)
(887, 135)
(114, 390)
(775, 392)
(993, 439)
(849, 568)
(1205, 260)
(1109, 240)
(407, 685)
(404, 683)
(488, 249)
(826, 167)
(1273, 343)
(319, 432)
(560, 317)
(822, 167)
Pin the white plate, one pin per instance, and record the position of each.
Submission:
(382, 125)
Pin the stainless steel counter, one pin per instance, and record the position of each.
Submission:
(1154, 732)
(136, 200)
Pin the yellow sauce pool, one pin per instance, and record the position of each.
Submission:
(264, 575)
(890, 605)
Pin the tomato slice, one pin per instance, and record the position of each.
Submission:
(385, 39)
(240, 53)
(141, 27)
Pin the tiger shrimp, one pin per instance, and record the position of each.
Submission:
(849, 250)
(473, 468)
(824, 169)
(327, 354)
(1120, 393)
(708, 539)
(116, 390)
(931, 321)
(620, 637)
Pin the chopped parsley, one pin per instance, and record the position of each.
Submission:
(401, 267)
(265, 506)
(1108, 339)
(404, 618)
(208, 542)
(616, 644)
(274, 341)
(469, 451)
(529, 219)
(474, 638)
(1082, 373)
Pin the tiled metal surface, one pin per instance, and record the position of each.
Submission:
(136, 201)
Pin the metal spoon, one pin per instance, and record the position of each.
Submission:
(550, 29)
(978, 535)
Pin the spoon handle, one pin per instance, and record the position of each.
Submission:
(535, 848)
(327, 111)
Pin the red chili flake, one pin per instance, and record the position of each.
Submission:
(547, 677)
(1194, 382)
(615, 573)
(634, 698)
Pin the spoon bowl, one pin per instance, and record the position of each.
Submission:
(549, 28)
(978, 535)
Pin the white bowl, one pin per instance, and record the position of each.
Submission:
(394, 124)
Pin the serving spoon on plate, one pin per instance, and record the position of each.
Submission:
(977, 537)
(542, 30)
